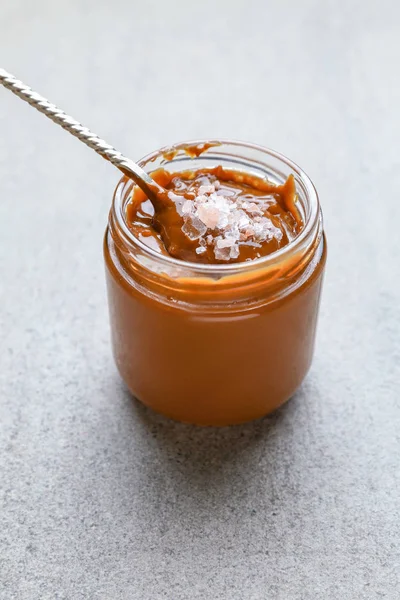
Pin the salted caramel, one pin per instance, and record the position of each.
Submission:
(216, 216)
(214, 296)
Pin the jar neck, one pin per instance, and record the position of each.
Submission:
(272, 276)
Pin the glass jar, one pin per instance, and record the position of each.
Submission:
(215, 344)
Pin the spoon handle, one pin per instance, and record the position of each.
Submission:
(127, 166)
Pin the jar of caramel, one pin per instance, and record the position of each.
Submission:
(216, 343)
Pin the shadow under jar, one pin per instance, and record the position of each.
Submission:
(215, 344)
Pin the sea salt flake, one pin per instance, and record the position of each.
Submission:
(240, 218)
(265, 230)
(261, 231)
(225, 242)
(206, 189)
(193, 228)
(209, 215)
(252, 208)
(178, 206)
(187, 207)
(250, 243)
(223, 221)
(222, 253)
(203, 180)
(246, 234)
(225, 192)
(235, 220)
(221, 202)
(226, 248)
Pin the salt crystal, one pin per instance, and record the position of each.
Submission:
(193, 228)
(250, 243)
(224, 208)
(246, 234)
(252, 208)
(223, 221)
(209, 215)
(206, 189)
(225, 242)
(221, 202)
(179, 205)
(226, 248)
(233, 232)
(222, 253)
(261, 230)
(203, 180)
(265, 230)
(225, 192)
(240, 218)
(234, 220)
(187, 207)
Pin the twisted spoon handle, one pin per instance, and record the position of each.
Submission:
(127, 166)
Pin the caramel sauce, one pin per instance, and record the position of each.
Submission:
(199, 345)
(161, 224)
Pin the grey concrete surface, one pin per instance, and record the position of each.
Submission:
(100, 498)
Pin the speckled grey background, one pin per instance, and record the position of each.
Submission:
(101, 499)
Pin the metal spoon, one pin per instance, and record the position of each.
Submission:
(151, 188)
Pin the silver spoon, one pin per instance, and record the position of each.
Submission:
(151, 188)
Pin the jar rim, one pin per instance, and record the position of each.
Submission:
(312, 224)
